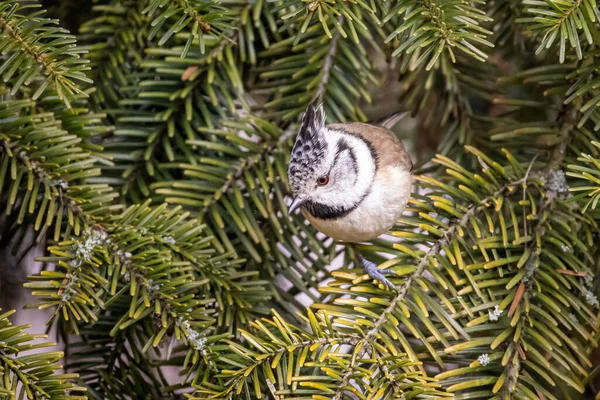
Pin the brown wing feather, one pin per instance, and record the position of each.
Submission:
(388, 147)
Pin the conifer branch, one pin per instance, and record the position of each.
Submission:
(268, 356)
(32, 50)
(58, 169)
(113, 55)
(167, 123)
(429, 29)
(31, 375)
(563, 22)
(493, 260)
(445, 236)
(567, 121)
(204, 16)
(567, 124)
(245, 165)
(191, 12)
(328, 63)
(60, 65)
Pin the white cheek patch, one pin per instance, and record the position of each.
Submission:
(347, 188)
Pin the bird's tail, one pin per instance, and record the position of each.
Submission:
(390, 121)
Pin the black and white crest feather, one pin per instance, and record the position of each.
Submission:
(309, 148)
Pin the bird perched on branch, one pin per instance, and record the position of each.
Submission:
(351, 181)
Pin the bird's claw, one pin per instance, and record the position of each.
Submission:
(378, 274)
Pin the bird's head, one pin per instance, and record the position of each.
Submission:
(325, 168)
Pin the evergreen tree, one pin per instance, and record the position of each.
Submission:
(144, 148)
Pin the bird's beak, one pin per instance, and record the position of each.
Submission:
(297, 202)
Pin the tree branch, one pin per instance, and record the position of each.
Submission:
(58, 63)
(567, 118)
(328, 64)
(242, 374)
(435, 249)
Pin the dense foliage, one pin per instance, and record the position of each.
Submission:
(145, 151)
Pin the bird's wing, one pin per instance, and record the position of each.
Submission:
(390, 150)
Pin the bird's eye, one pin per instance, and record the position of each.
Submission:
(322, 181)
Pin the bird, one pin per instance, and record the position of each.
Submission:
(351, 181)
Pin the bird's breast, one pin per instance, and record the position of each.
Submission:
(376, 214)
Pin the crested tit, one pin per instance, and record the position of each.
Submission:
(351, 181)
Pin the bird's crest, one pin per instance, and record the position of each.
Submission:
(313, 121)
(309, 148)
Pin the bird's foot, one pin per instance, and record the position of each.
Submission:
(378, 274)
